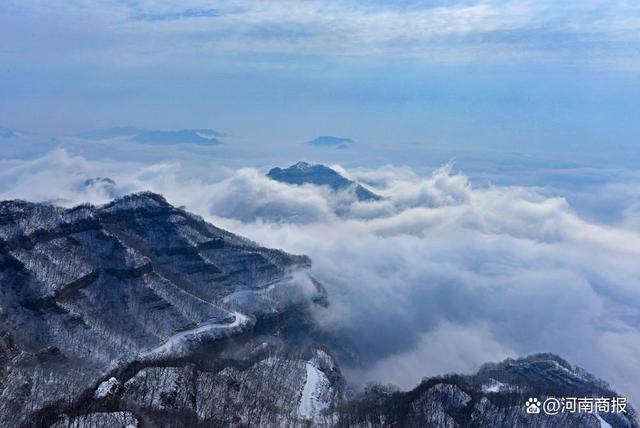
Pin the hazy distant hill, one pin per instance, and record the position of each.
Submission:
(147, 136)
(331, 141)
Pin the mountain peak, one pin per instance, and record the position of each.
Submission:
(302, 165)
(144, 199)
(320, 175)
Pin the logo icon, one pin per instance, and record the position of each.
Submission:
(532, 405)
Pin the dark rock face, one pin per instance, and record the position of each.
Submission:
(494, 397)
(137, 313)
(320, 175)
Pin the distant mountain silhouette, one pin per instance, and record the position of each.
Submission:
(331, 141)
(320, 175)
(202, 136)
(8, 132)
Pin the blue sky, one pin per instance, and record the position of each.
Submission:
(494, 75)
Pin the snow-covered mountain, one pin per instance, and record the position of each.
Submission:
(137, 313)
(493, 397)
(320, 175)
(88, 289)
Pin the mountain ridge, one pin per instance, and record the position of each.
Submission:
(138, 313)
(123, 281)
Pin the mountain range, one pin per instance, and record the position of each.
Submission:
(138, 313)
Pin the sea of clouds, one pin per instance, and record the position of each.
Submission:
(441, 275)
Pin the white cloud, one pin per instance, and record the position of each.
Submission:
(448, 348)
(439, 276)
(456, 31)
(523, 268)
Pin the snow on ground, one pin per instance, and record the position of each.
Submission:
(603, 423)
(179, 342)
(98, 419)
(494, 386)
(312, 402)
(106, 387)
(322, 359)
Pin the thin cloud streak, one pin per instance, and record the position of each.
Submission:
(484, 31)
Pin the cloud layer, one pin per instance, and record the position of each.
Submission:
(439, 276)
(427, 31)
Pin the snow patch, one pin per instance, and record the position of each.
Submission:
(324, 360)
(106, 388)
(313, 400)
(494, 386)
(179, 343)
(603, 423)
